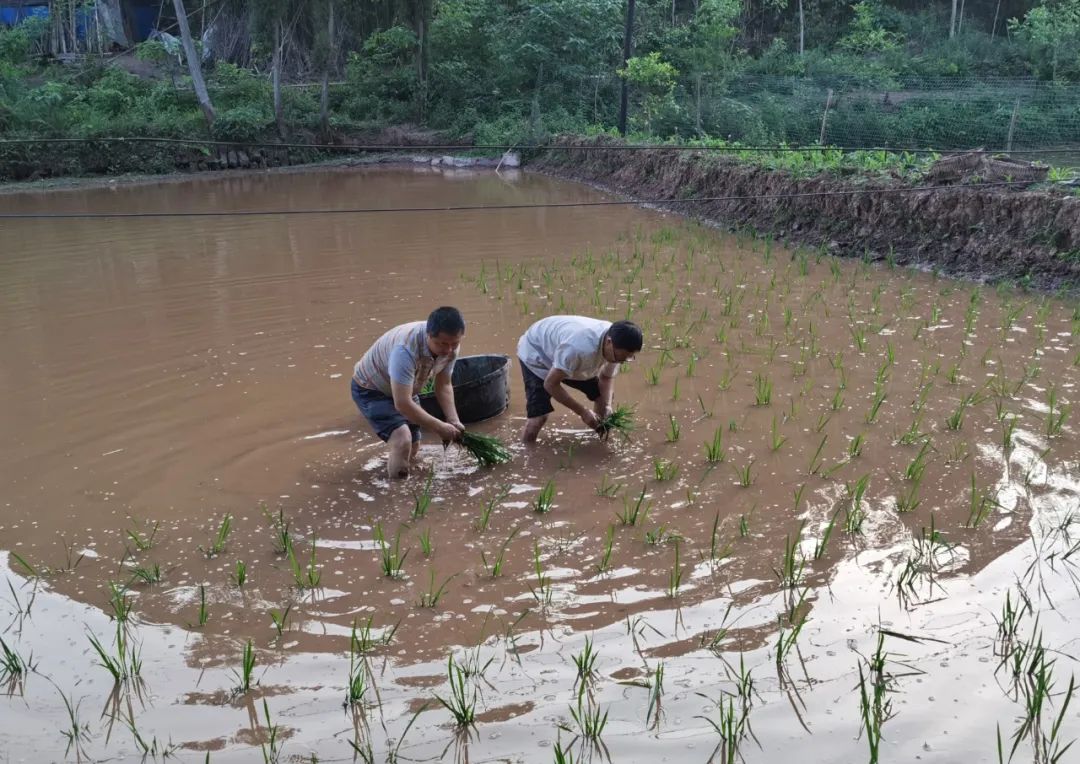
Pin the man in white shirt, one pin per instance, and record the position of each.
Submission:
(558, 352)
(390, 376)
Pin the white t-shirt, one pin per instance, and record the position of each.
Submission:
(573, 344)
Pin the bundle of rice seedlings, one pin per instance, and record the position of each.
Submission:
(620, 421)
(486, 449)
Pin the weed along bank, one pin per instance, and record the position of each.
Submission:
(834, 510)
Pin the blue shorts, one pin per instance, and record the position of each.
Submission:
(381, 413)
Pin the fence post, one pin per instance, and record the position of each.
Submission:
(825, 117)
(1012, 126)
(697, 116)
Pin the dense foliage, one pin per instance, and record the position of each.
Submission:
(515, 70)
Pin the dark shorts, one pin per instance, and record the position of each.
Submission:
(381, 413)
(537, 399)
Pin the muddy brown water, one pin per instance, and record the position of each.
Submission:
(166, 372)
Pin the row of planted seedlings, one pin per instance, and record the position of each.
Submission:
(762, 336)
(944, 402)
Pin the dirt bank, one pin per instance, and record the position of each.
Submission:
(993, 234)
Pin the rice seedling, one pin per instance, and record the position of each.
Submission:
(822, 544)
(30, 570)
(776, 441)
(909, 500)
(545, 499)
(148, 575)
(744, 522)
(486, 449)
(493, 501)
(796, 619)
(823, 421)
(430, 598)
(425, 542)
(837, 401)
(562, 755)
(917, 466)
(217, 544)
(461, 701)
(367, 638)
(281, 619)
(856, 446)
(306, 577)
(125, 664)
(77, 732)
(980, 506)
(691, 365)
(762, 390)
(422, 498)
(247, 670)
(675, 390)
(664, 469)
(13, 667)
(875, 405)
(634, 510)
(1055, 420)
(732, 727)
(674, 431)
(652, 375)
(280, 527)
(391, 557)
(585, 661)
(587, 718)
(858, 334)
(675, 577)
(792, 563)
(542, 592)
(619, 421)
(119, 602)
(743, 474)
(605, 554)
(816, 459)
(607, 488)
(271, 748)
(714, 450)
(874, 706)
(913, 434)
(240, 574)
(142, 539)
(856, 515)
(955, 420)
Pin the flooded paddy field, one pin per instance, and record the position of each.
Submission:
(844, 527)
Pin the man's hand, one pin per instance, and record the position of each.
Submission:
(449, 432)
(591, 420)
(456, 423)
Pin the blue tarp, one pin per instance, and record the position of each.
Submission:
(143, 20)
(12, 14)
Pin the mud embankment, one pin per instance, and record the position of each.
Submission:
(992, 234)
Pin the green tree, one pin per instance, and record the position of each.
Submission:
(1052, 35)
(654, 78)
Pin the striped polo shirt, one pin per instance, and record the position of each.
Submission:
(403, 349)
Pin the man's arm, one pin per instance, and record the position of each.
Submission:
(411, 410)
(607, 392)
(554, 387)
(444, 394)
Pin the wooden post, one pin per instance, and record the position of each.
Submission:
(1012, 126)
(825, 117)
(697, 116)
(628, 37)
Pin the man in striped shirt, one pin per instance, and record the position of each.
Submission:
(387, 381)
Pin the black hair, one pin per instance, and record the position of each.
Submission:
(626, 335)
(445, 320)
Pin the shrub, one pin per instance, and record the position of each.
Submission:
(242, 124)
